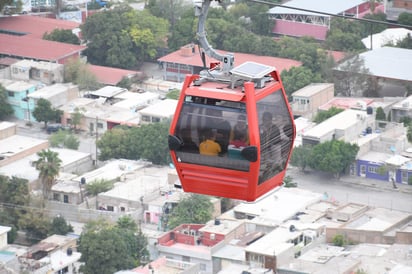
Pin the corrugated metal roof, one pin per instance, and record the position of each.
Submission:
(392, 35)
(387, 62)
(328, 6)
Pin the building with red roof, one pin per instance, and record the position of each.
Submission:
(111, 76)
(33, 26)
(187, 60)
(21, 38)
(26, 47)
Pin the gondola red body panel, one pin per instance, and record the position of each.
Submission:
(254, 110)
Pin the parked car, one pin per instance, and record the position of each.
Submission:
(55, 127)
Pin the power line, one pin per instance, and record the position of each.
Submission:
(333, 15)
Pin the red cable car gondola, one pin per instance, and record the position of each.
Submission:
(233, 131)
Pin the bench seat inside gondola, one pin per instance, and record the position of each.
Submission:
(214, 161)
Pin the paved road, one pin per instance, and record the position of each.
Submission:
(354, 189)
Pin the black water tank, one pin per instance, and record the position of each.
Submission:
(69, 251)
(217, 222)
(368, 130)
(369, 110)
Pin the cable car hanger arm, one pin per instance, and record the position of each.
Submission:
(226, 60)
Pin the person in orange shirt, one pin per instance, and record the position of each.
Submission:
(209, 146)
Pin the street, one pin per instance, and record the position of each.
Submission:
(368, 192)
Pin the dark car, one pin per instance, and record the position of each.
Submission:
(54, 128)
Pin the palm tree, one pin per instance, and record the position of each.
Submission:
(49, 165)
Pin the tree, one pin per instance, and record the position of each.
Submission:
(352, 78)
(79, 73)
(133, 37)
(324, 115)
(98, 186)
(192, 209)
(36, 225)
(301, 156)
(5, 107)
(48, 166)
(405, 18)
(109, 248)
(13, 191)
(380, 114)
(121, 142)
(4, 3)
(44, 112)
(59, 226)
(333, 156)
(76, 117)
(62, 35)
(296, 78)
(63, 138)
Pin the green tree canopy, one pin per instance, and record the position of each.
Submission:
(44, 112)
(333, 156)
(296, 78)
(380, 114)
(123, 37)
(13, 191)
(405, 18)
(301, 156)
(108, 248)
(63, 138)
(192, 209)
(5, 107)
(122, 143)
(62, 35)
(60, 226)
(324, 115)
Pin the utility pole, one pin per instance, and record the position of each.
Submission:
(97, 136)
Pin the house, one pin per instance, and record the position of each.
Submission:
(28, 47)
(185, 243)
(305, 21)
(17, 93)
(388, 36)
(388, 65)
(165, 265)
(135, 189)
(46, 72)
(7, 129)
(20, 163)
(21, 38)
(3, 236)
(112, 76)
(346, 126)
(158, 112)
(178, 64)
(17, 147)
(401, 109)
(55, 254)
(56, 94)
(34, 26)
(306, 101)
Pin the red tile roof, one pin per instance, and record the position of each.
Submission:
(110, 76)
(190, 58)
(34, 26)
(34, 48)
